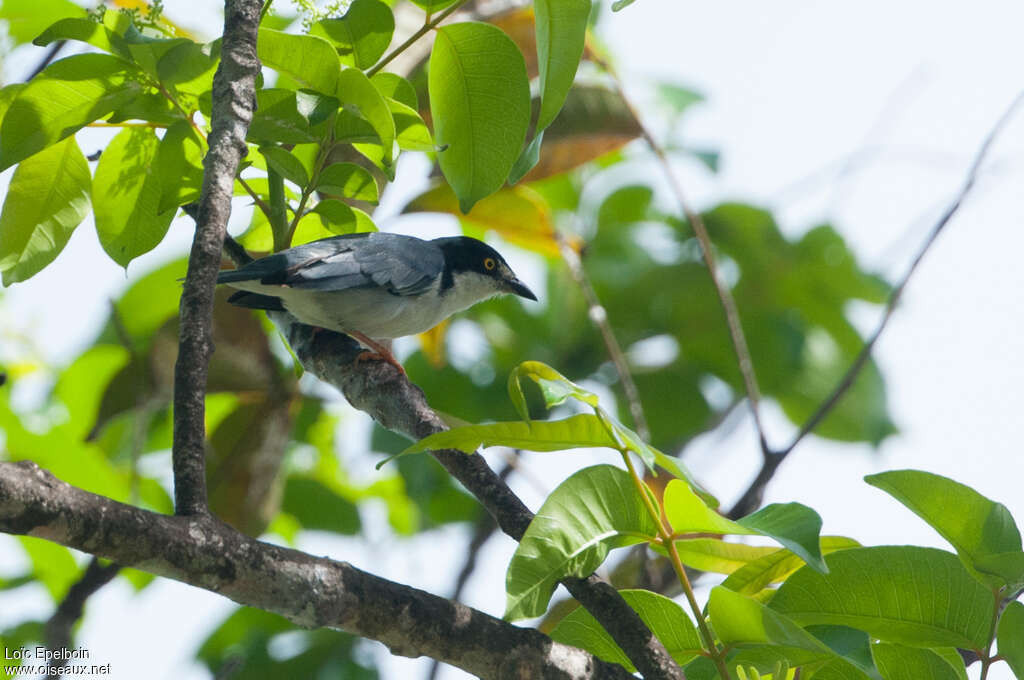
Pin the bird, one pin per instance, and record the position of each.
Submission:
(375, 286)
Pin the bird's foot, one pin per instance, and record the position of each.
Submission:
(377, 351)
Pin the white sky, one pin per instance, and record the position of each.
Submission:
(794, 88)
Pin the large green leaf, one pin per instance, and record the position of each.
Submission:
(897, 662)
(591, 512)
(561, 29)
(126, 196)
(976, 526)
(795, 526)
(361, 34)
(66, 96)
(480, 101)
(47, 198)
(666, 619)
(309, 59)
(914, 596)
(1010, 637)
(718, 556)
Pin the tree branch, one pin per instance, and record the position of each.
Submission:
(234, 97)
(309, 591)
(751, 498)
(377, 388)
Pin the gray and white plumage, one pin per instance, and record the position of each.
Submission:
(379, 285)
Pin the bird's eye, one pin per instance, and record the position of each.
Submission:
(490, 264)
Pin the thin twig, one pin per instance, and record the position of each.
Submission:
(423, 30)
(599, 316)
(69, 611)
(732, 317)
(751, 498)
(50, 55)
(234, 99)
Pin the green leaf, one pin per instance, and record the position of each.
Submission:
(47, 198)
(975, 526)
(84, 30)
(394, 86)
(580, 431)
(355, 89)
(665, 619)
(678, 98)
(335, 216)
(348, 180)
(432, 6)
(591, 512)
(795, 526)
(527, 159)
(361, 35)
(26, 19)
(777, 565)
(896, 662)
(66, 96)
(126, 196)
(309, 59)
(283, 162)
(621, 4)
(480, 100)
(740, 620)
(1010, 637)
(554, 386)
(904, 594)
(179, 162)
(279, 117)
(411, 132)
(718, 556)
(561, 29)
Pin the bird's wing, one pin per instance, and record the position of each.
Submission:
(401, 264)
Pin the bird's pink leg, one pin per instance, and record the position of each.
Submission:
(379, 350)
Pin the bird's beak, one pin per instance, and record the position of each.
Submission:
(519, 288)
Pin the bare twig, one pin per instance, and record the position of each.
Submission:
(234, 97)
(696, 222)
(599, 316)
(50, 55)
(752, 497)
(58, 627)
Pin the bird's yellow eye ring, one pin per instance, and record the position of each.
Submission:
(490, 264)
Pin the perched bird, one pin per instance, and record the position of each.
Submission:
(376, 286)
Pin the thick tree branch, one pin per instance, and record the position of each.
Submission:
(751, 499)
(234, 99)
(309, 591)
(378, 389)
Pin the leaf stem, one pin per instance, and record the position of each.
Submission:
(278, 210)
(423, 30)
(665, 534)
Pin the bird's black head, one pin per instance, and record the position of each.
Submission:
(463, 254)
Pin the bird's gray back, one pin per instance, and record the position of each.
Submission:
(403, 265)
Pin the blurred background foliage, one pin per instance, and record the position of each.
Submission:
(276, 463)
